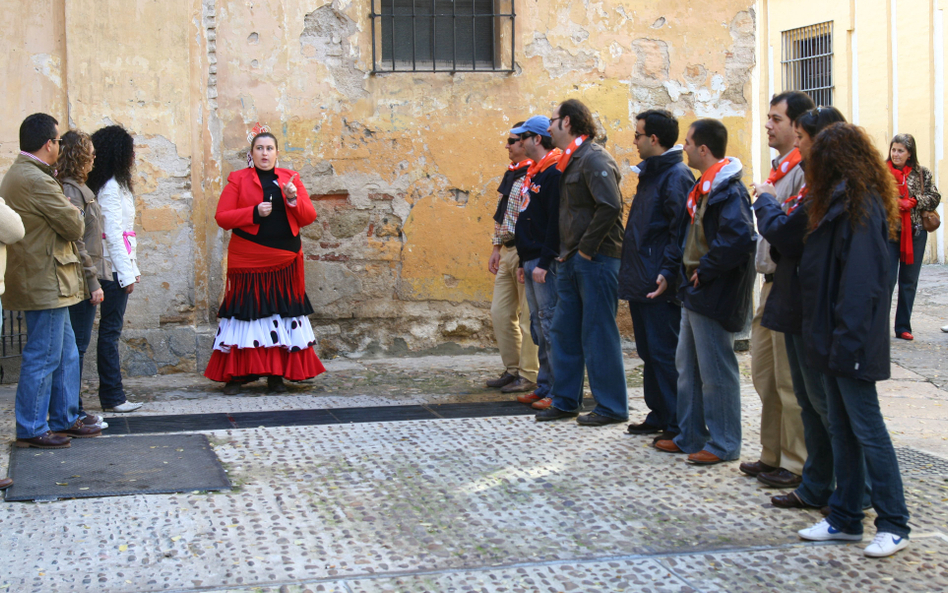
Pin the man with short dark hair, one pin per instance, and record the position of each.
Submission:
(538, 244)
(782, 448)
(651, 259)
(716, 294)
(43, 278)
(585, 334)
(508, 308)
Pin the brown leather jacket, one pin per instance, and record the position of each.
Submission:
(590, 204)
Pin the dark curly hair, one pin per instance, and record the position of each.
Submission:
(114, 157)
(581, 122)
(843, 152)
(75, 152)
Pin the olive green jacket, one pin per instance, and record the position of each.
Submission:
(43, 269)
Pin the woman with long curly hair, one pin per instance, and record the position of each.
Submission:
(917, 194)
(76, 156)
(111, 179)
(263, 328)
(844, 280)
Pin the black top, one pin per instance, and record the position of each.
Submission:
(274, 229)
(538, 226)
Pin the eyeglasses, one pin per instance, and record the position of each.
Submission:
(637, 135)
(512, 141)
(56, 140)
(554, 119)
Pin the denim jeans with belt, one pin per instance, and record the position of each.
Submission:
(111, 392)
(49, 375)
(859, 433)
(656, 326)
(709, 388)
(585, 335)
(541, 299)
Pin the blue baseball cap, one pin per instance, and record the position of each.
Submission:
(538, 124)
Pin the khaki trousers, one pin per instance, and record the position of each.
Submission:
(781, 425)
(511, 318)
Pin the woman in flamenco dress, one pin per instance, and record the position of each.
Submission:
(263, 325)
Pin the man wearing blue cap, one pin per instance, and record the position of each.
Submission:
(538, 243)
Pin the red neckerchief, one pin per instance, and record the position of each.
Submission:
(703, 187)
(906, 249)
(796, 200)
(520, 165)
(545, 163)
(793, 159)
(568, 153)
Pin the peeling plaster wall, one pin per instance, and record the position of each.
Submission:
(402, 167)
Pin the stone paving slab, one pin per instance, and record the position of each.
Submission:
(347, 502)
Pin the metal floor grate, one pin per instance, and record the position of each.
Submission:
(918, 463)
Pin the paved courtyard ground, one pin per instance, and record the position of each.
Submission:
(476, 504)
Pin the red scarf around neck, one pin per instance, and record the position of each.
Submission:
(520, 165)
(568, 153)
(703, 187)
(793, 202)
(551, 157)
(906, 249)
(793, 159)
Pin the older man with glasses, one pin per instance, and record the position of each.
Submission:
(508, 308)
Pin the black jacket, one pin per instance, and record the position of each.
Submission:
(785, 233)
(844, 279)
(590, 204)
(538, 226)
(656, 228)
(726, 273)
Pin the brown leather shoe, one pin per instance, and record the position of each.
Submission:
(5, 483)
(779, 479)
(502, 381)
(519, 385)
(758, 467)
(543, 404)
(667, 446)
(789, 501)
(703, 457)
(80, 431)
(529, 398)
(45, 441)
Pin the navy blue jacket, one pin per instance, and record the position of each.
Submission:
(656, 228)
(785, 233)
(844, 279)
(538, 226)
(726, 273)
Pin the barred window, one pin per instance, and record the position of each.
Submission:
(442, 35)
(808, 61)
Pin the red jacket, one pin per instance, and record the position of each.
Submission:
(243, 192)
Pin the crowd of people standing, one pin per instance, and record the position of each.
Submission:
(839, 228)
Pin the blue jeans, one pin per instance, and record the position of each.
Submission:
(859, 433)
(656, 326)
(49, 375)
(906, 276)
(585, 335)
(709, 388)
(819, 479)
(82, 316)
(111, 392)
(541, 298)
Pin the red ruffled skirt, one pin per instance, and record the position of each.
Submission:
(263, 326)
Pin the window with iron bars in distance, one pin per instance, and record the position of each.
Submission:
(808, 61)
(442, 35)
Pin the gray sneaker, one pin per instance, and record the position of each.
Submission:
(124, 407)
(519, 385)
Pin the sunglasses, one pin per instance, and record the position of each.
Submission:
(512, 141)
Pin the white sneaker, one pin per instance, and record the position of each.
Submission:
(125, 407)
(824, 532)
(885, 544)
(944, 328)
(94, 420)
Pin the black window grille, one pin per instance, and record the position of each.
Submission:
(12, 340)
(808, 61)
(442, 35)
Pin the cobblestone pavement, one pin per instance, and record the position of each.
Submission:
(476, 504)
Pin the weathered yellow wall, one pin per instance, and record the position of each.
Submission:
(403, 166)
(883, 92)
